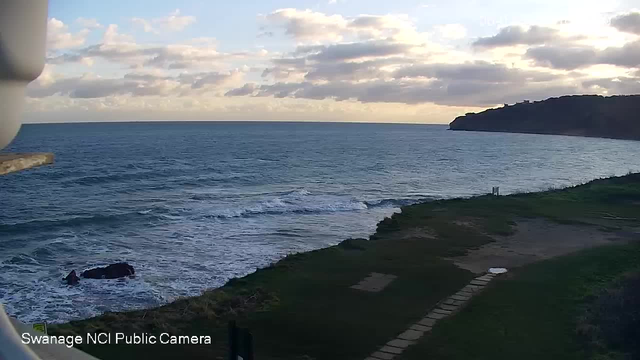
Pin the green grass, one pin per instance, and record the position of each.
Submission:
(533, 313)
(302, 307)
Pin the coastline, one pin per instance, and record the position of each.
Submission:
(305, 299)
(540, 132)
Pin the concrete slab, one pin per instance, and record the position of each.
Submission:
(460, 297)
(411, 335)
(400, 343)
(391, 350)
(436, 316)
(382, 356)
(449, 307)
(442, 311)
(478, 282)
(375, 282)
(427, 322)
(421, 327)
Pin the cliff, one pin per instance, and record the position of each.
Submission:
(580, 115)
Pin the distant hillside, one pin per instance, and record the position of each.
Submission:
(580, 115)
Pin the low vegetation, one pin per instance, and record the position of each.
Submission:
(581, 115)
(555, 309)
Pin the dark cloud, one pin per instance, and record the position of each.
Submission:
(569, 58)
(473, 71)
(627, 22)
(134, 84)
(354, 71)
(473, 84)
(620, 86)
(517, 35)
(247, 89)
(560, 57)
(415, 92)
(80, 87)
(351, 51)
(167, 57)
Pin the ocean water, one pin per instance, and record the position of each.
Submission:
(191, 204)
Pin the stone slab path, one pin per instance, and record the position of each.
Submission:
(443, 309)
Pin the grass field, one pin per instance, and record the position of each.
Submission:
(302, 307)
(535, 312)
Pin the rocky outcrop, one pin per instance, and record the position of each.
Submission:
(112, 271)
(72, 278)
(615, 117)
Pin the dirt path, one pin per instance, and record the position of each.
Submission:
(534, 240)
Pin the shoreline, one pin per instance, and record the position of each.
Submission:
(548, 133)
(307, 290)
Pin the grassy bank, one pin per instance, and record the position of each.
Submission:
(302, 307)
(537, 312)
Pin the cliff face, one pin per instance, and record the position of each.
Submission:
(582, 115)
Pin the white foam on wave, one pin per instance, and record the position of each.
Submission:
(44, 297)
(298, 201)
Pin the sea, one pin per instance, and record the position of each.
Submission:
(193, 204)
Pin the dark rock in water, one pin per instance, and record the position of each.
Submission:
(72, 278)
(112, 271)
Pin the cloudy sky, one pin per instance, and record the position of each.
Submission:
(327, 60)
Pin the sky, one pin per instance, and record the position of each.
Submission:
(409, 61)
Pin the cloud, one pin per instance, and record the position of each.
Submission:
(308, 24)
(359, 62)
(473, 84)
(452, 31)
(311, 26)
(620, 86)
(517, 35)
(351, 51)
(112, 36)
(88, 23)
(414, 92)
(480, 71)
(569, 58)
(135, 84)
(627, 22)
(59, 37)
(171, 23)
(119, 48)
(247, 89)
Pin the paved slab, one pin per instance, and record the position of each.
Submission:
(442, 311)
(420, 327)
(427, 322)
(474, 288)
(478, 282)
(449, 307)
(411, 335)
(391, 350)
(400, 343)
(382, 355)
(436, 316)
(375, 282)
(416, 331)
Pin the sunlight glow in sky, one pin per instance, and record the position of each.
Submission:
(329, 60)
